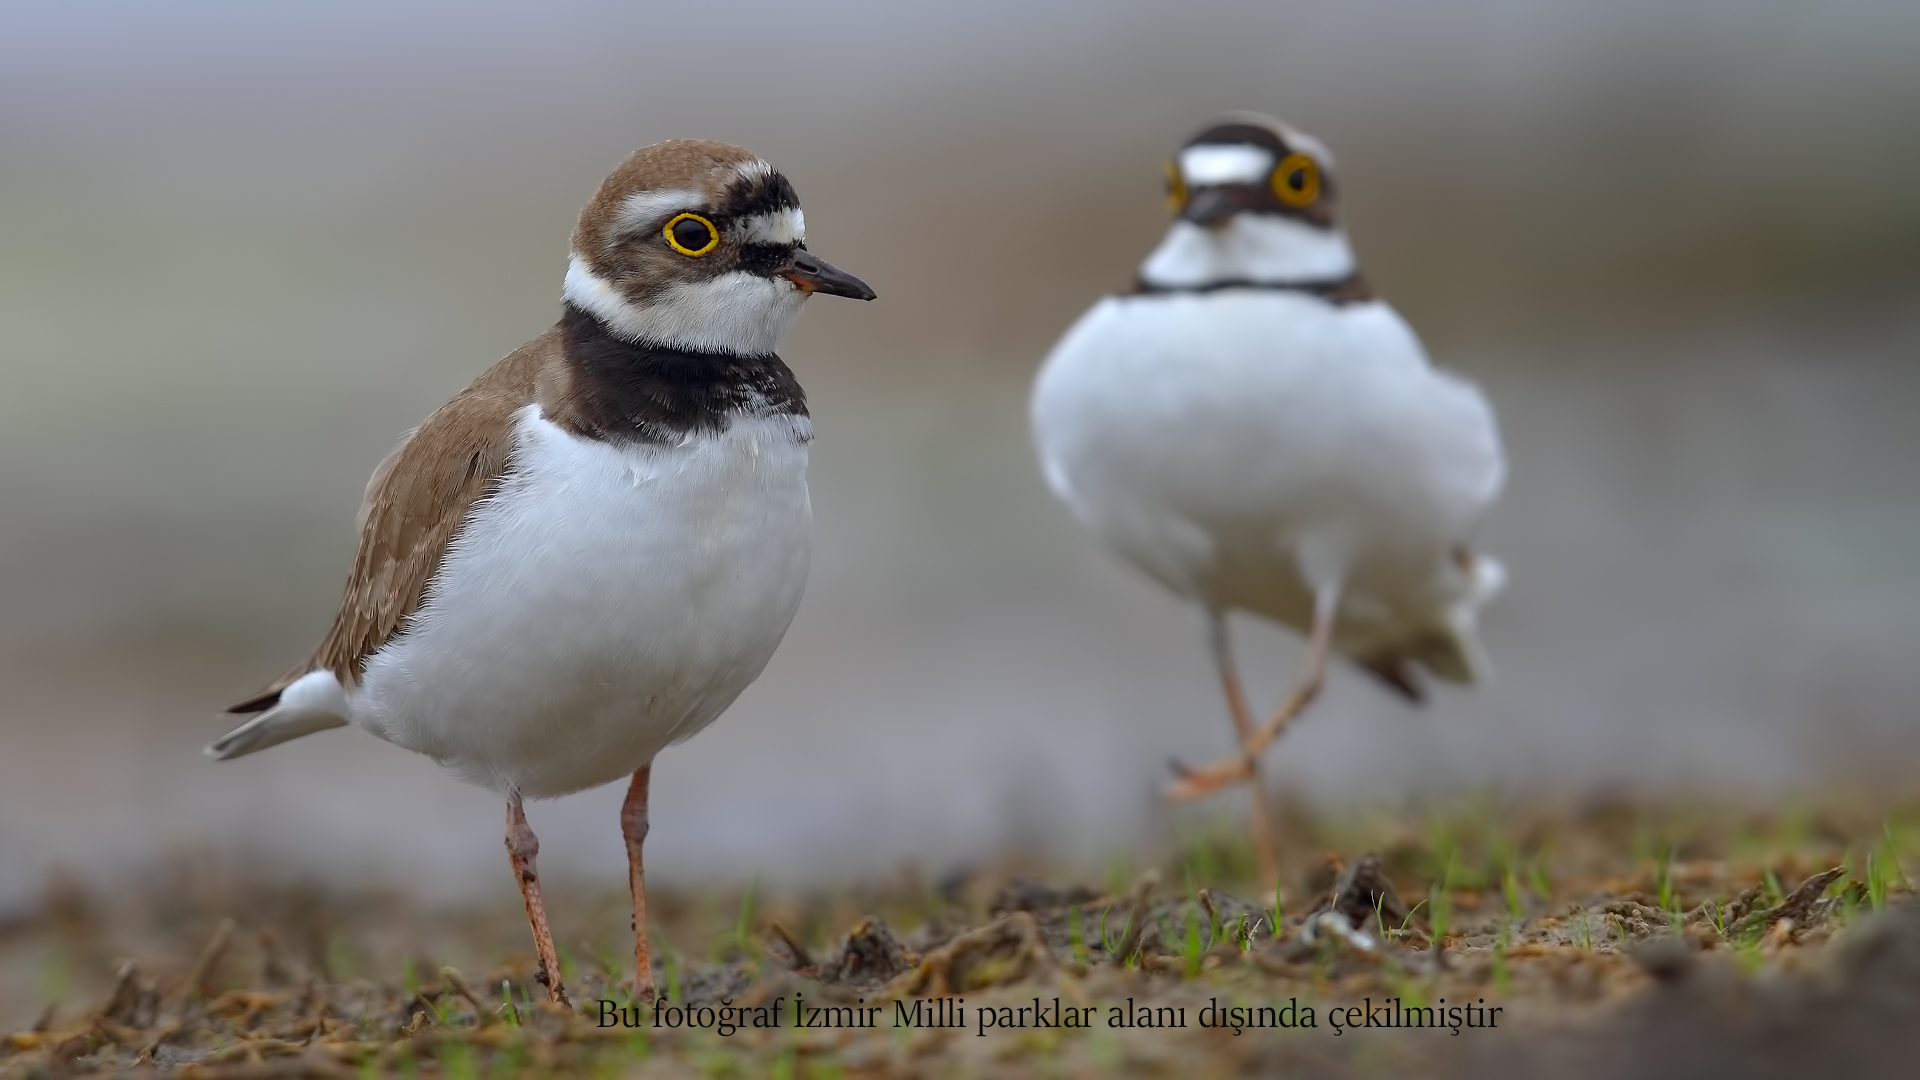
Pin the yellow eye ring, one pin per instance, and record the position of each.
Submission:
(1176, 188)
(1309, 173)
(713, 235)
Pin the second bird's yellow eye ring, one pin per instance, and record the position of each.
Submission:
(1176, 187)
(680, 245)
(1308, 172)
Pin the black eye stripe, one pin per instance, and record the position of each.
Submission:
(761, 196)
(765, 259)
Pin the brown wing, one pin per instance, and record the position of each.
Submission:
(416, 501)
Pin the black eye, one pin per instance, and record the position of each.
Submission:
(697, 234)
(1296, 180)
(691, 234)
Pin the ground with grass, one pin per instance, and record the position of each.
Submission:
(1617, 938)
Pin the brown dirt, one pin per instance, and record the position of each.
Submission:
(1615, 939)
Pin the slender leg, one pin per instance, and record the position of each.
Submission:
(1194, 783)
(1262, 828)
(522, 848)
(633, 823)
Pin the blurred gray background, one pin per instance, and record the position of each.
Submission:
(244, 246)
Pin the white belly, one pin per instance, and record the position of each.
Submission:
(607, 601)
(1247, 447)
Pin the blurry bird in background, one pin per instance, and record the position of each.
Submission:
(1256, 431)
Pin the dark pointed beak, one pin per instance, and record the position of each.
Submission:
(1210, 207)
(814, 274)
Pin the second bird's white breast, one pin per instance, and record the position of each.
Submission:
(607, 600)
(1219, 439)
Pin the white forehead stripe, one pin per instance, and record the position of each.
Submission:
(1225, 164)
(644, 209)
(754, 169)
(773, 227)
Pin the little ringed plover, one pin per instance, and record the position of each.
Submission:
(1255, 430)
(590, 552)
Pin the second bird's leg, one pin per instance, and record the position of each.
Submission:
(1221, 646)
(1196, 782)
(522, 848)
(633, 824)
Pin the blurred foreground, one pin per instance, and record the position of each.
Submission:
(1618, 940)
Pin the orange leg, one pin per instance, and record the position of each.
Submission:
(1242, 767)
(1261, 827)
(522, 848)
(633, 823)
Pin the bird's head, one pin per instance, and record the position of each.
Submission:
(1253, 201)
(701, 246)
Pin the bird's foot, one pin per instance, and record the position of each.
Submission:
(1198, 783)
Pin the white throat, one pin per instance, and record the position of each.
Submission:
(1265, 248)
(737, 313)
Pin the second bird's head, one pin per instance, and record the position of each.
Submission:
(1253, 200)
(699, 246)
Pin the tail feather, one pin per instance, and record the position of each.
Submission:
(1450, 650)
(1454, 652)
(313, 702)
(256, 704)
(1398, 674)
